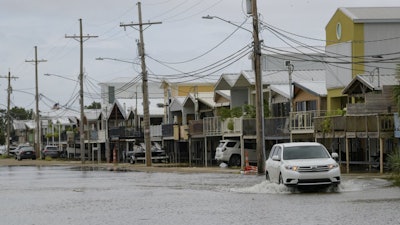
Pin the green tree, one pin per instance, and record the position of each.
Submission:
(224, 113)
(94, 105)
(237, 112)
(18, 113)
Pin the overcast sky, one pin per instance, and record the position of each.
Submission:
(182, 44)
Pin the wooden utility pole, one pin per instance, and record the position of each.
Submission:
(38, 139)
(146, 114)
(81, 38)
(259, 92)
(9, 90)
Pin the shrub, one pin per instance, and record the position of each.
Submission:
(394, 165)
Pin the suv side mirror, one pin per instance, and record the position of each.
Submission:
(335, 155)
(276, 158)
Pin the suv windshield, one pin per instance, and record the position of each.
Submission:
(305, 152)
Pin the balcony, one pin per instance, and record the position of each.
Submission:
(156, 131)
(302, 122)
(196, 128)
(212, 126)
(353, 126)
(170, 132)
(117, 132)
(276, 128)
(232, 126)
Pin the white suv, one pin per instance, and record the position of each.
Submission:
(302, 164)
(229, 151)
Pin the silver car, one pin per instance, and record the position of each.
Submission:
(302, 164)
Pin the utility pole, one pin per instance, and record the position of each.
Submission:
(259, 92)
(81, 38)
(38, 139)
(9, 90)
(290, 67)
(146, 114)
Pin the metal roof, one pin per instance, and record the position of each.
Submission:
(281, 89)
(206, 98)
(371, 82)
(226, 81)
(372, 14)
(177, 104)
(129, 105)
(317, 88)
(282, 76)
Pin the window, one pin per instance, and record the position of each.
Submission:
(306, 105)
(305, 152)
(230, 144)
(272, 152)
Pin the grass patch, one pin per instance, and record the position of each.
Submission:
(48, 158)
(394, 165)
(6, 156)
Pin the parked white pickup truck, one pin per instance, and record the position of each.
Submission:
(139, 153)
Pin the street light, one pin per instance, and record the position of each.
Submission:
(119, 60)
(124, 61)
(258, 84)
(56, 75)
(208, 17)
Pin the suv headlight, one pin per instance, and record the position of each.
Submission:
(293, 168)
(332, 166)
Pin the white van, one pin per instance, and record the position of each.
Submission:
(228, 151)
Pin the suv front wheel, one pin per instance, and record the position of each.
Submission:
(235, 160)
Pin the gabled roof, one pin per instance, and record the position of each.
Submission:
(226, 81)
(316, 88)
(372, 14)
(61, 121)
(244, 80)
(222, 98)
(281, 89)
(369, 82)
(206, 98)
(120, 105)
(194, 80)
(60, 113)
(93, 114)
(19, 124)
(177, 104)
(223, 93)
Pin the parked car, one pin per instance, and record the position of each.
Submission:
(26, 152)
(302, 164)
(51, 151)
(3, 149)
(17, 149)
(229, 151)
(139, 153)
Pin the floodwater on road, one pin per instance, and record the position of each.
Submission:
(66, 195)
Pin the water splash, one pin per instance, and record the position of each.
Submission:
(265, 187)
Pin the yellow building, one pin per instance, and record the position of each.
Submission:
(360, 41)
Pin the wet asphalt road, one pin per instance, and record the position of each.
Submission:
(67, 195)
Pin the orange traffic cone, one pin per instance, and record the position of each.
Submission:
(249, 169)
